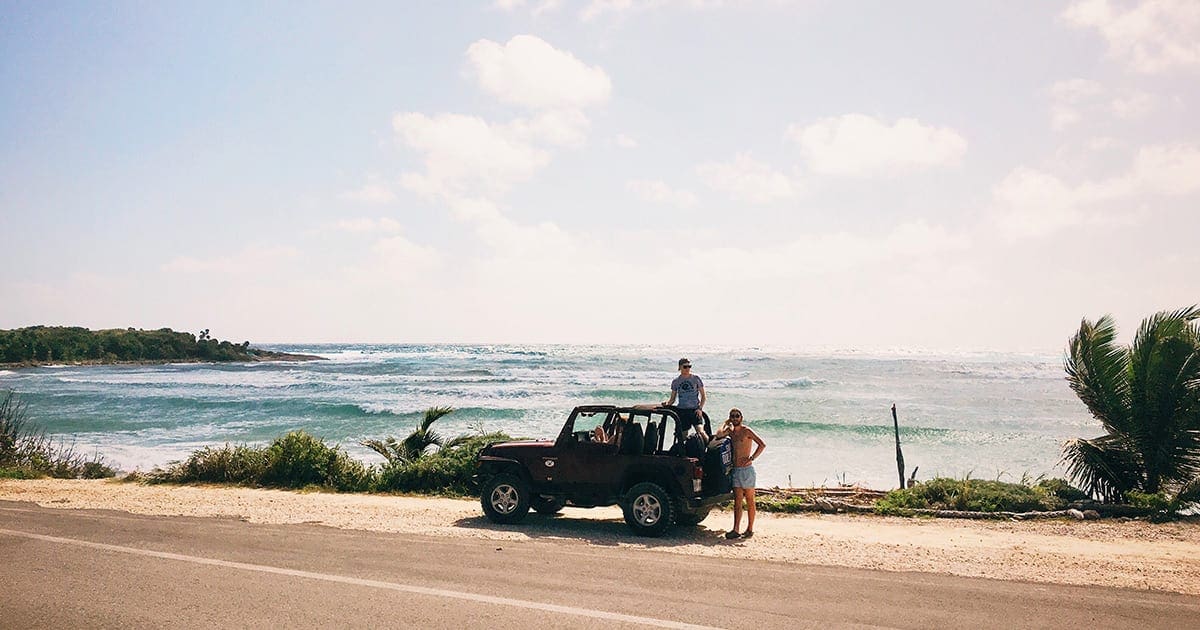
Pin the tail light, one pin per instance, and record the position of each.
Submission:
(697, 472)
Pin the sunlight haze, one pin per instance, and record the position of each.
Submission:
(939, 175)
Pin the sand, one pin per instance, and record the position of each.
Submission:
(1111, 552)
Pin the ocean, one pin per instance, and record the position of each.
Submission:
(825, 416)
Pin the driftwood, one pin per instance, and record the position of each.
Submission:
(1112, 510)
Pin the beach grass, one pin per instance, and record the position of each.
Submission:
(26, 452)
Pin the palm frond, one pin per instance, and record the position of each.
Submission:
(419, 441)
(1102, 467)
(1189, 493)
(1164, 361)
(433, 414)
(388, 448)
(458, 441)
(1096, 370)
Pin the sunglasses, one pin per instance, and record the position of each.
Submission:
(685, 366)
(735, 417)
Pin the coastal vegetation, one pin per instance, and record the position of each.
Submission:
(979, 495)
(49, 344)
(1147, 397)
(26, 452)
(294, 460)
(421, 462)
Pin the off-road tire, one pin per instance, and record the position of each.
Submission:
(505, 498)
(649, 510)
(548, 505)
(692, 518)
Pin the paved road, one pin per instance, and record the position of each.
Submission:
(99, 569)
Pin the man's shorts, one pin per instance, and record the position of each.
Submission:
(744, 477)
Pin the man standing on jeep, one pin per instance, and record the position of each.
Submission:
(743, 470)
(689, 390)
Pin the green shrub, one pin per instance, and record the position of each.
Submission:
(241, 464)
(971, 495)
(294, 460)
(19, 473)
(448, 470)
(299, 459)
(1058, 493)
(1156, 501)
(790, 505)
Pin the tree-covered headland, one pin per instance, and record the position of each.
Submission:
(63, 344)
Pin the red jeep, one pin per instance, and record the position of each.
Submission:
(657, 478)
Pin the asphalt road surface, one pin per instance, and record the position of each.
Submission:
(99, 569)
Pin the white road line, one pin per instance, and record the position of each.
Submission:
(341, 579)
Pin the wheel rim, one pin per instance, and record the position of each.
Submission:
(504, 498)
(646, 509)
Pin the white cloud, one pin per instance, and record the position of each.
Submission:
(467, 155)
(367, 225)
(1135, 105)
(1073, 100)
(597, 8)
(625, 142)
(1033, 203)
(375, 191)
(746, 179)
(399, 253)
(1155, 36)
(562, 127)
(538, 8)
(1067, 98)
(1101, 143)
(1161, 170)
(530, 72)
(466, 152)
(248, 261)
(656, 191)
(1075, 90)
(859, 145)
(1030, 202)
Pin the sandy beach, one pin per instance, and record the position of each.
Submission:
(1111, 552)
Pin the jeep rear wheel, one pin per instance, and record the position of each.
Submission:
(649, 510)
(548, 505)
(505, 498)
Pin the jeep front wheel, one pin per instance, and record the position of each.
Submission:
(649, 510)
(505, 498)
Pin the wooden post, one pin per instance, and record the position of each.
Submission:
(899, 455)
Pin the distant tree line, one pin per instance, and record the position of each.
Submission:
(44, 344)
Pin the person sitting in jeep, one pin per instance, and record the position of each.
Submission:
(599, 434)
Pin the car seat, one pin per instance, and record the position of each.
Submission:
(651, 439)
(632, 439)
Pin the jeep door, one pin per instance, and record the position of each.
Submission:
(586, 467)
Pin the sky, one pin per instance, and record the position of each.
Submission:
(809, 174)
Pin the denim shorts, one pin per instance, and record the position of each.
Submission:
(744, 477)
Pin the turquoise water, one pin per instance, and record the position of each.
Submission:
(824, 415)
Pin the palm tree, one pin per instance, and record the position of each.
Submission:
(1147, 397)
(417, 443)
